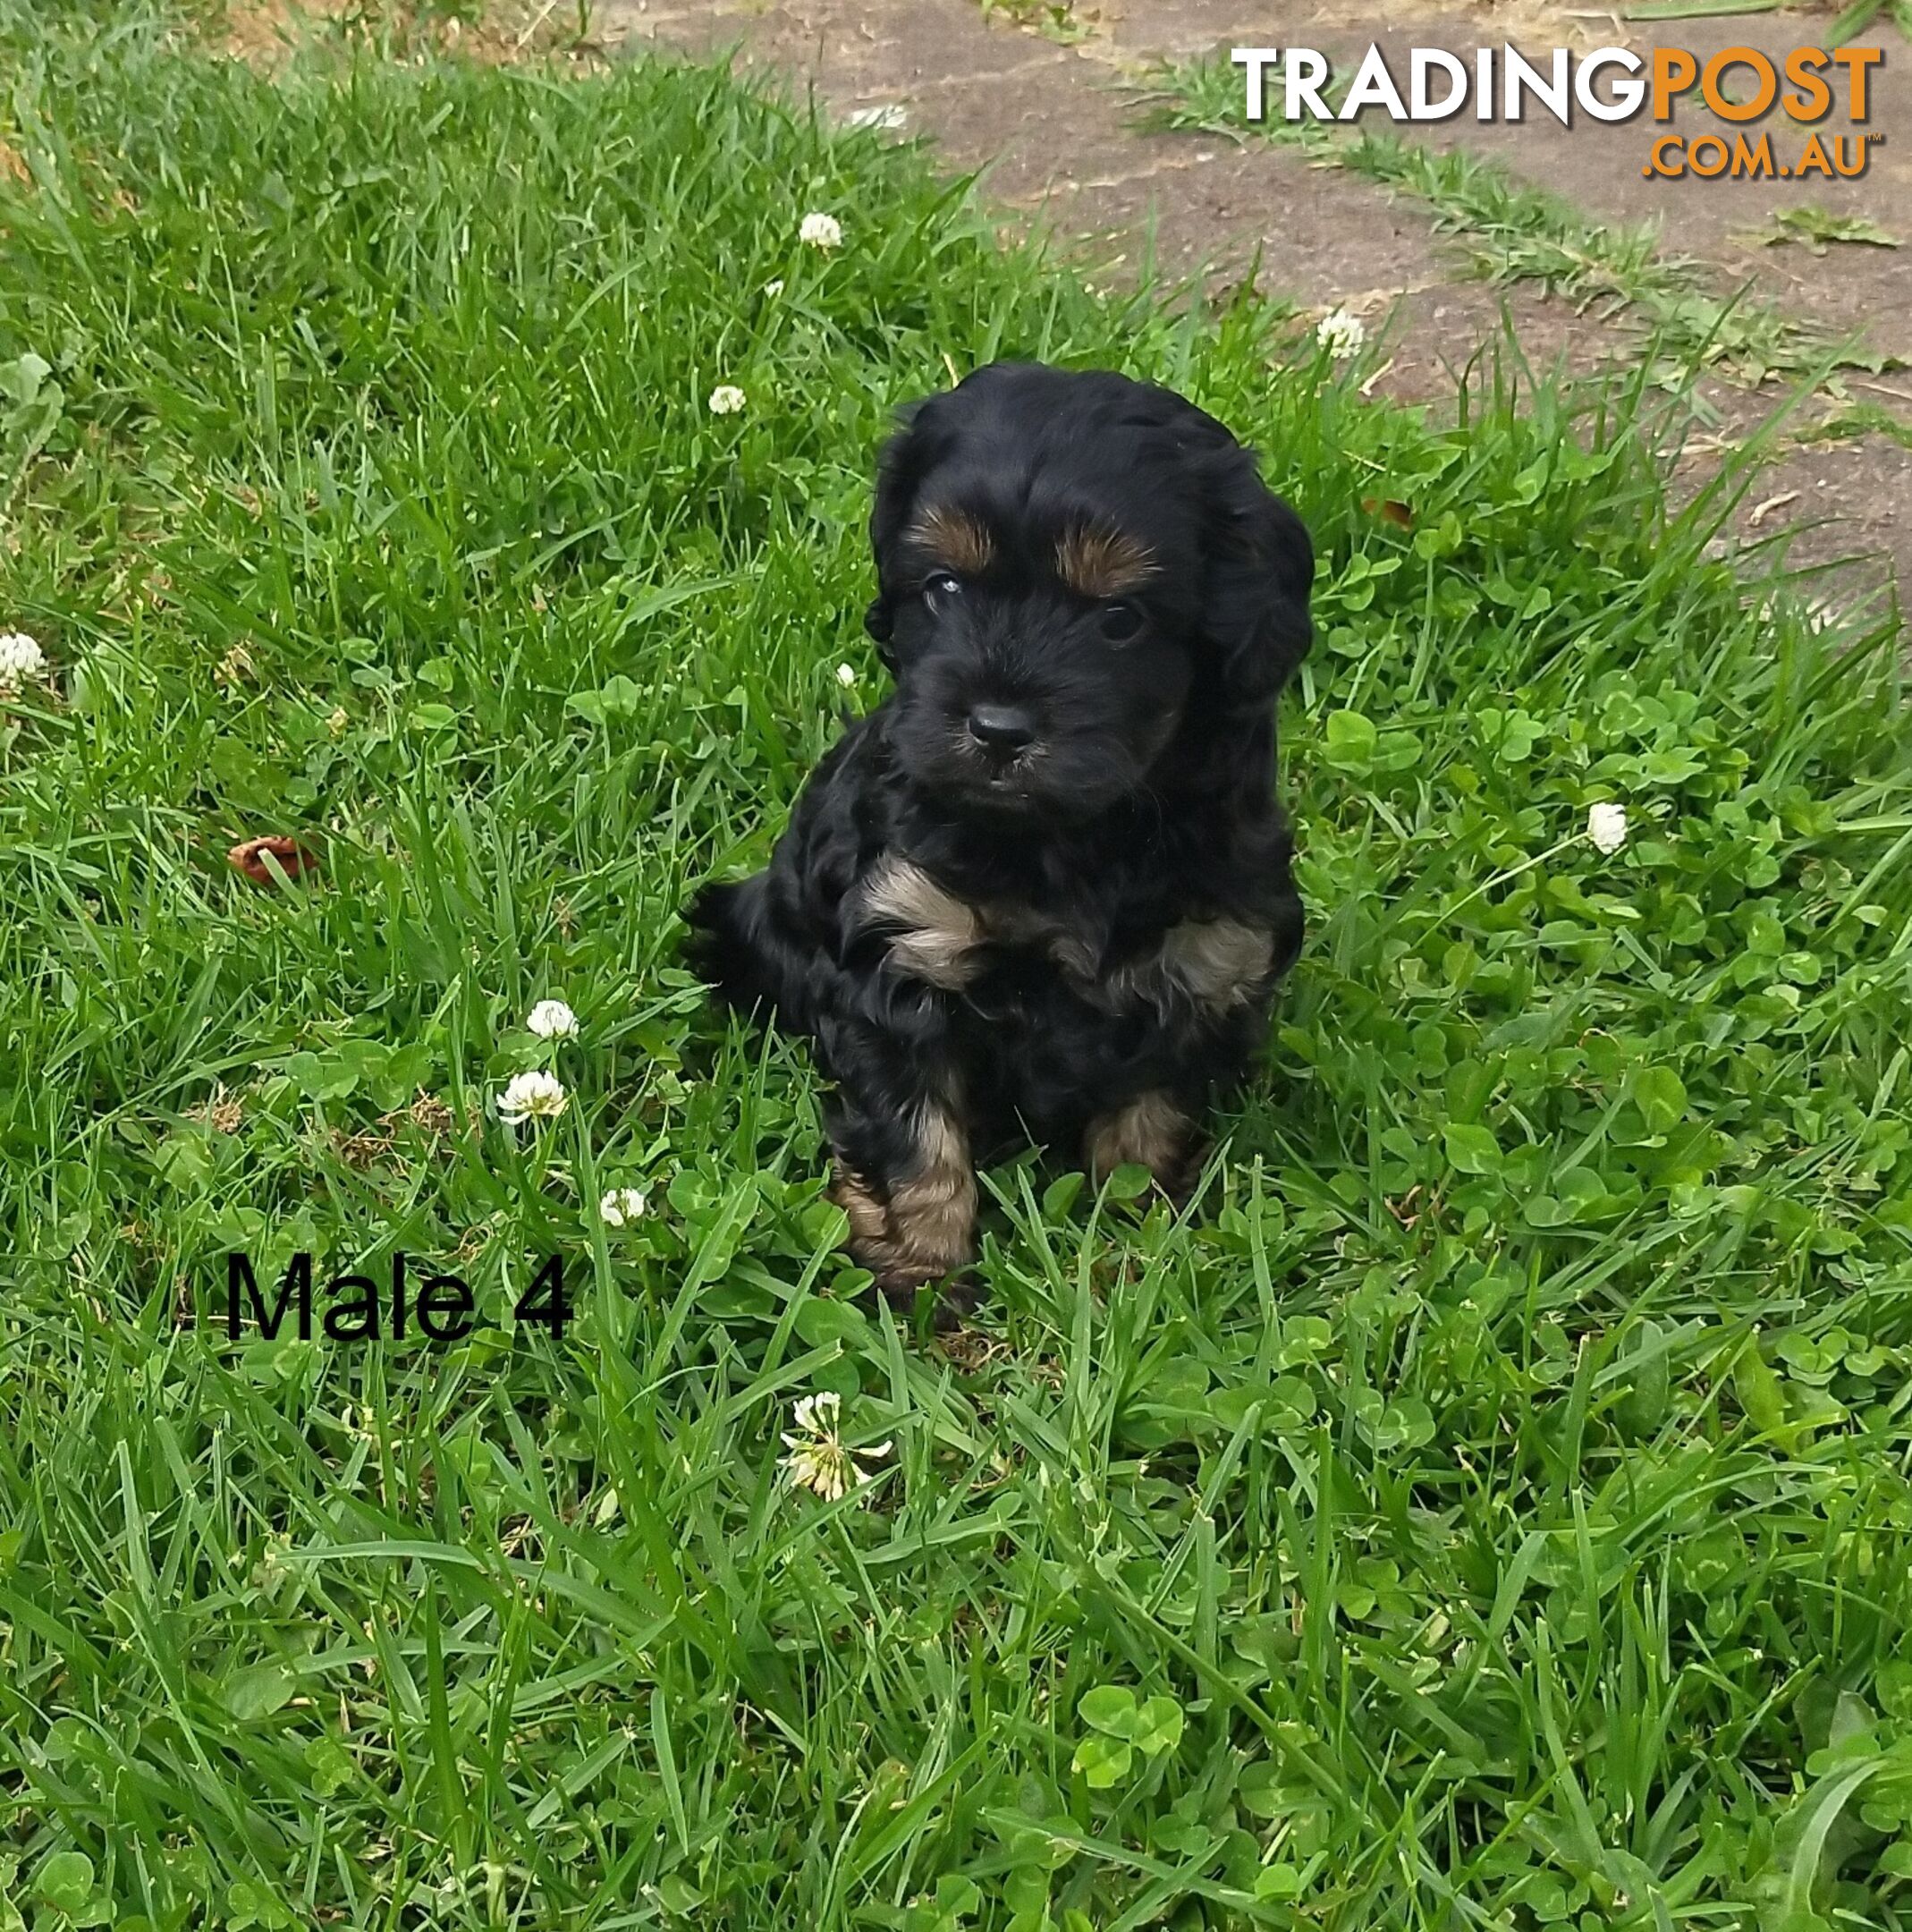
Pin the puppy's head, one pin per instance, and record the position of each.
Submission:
(1077, 572)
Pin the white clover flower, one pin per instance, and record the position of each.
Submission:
(774, 289)
(821, 232)
(817, 1459)
(621, 1205)
(1341, 333)
(888, 116)
(20, 658)
(552, 1019)
(235, 666)
(726, 400)
(536, 1096)
(1606, 825)
(846, 675)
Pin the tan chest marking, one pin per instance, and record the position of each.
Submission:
(934, 935)
(1217, 963)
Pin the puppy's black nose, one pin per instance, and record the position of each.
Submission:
(1002, 729)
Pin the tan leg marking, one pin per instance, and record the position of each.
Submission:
(1149, 1131)
(927, 1226)
(934, 935)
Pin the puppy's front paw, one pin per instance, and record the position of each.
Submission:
(1153, 1132)
(921, 1230)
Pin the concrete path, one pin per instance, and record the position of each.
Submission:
(1050, 115)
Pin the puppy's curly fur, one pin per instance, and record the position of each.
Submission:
(1045, 886)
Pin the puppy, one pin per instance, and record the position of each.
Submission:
(1044, 887)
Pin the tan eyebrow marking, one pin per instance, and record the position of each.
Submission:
(954, 538)
(1101, 563)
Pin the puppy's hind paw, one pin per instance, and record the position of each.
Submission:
(710, 938)
(724, 943)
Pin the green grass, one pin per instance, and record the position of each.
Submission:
(1488, 1508)
(1055, 20)
(1854, 416)
(1514, 232)
(1816, 227)
(1861, 14)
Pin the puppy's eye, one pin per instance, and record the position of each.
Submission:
(940, 585)
(1121, 623)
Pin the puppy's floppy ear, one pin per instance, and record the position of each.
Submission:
(899, 472)
(1261, 566)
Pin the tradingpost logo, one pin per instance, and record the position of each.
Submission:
(1739, 85)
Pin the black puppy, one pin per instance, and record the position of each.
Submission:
(1047, 883)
